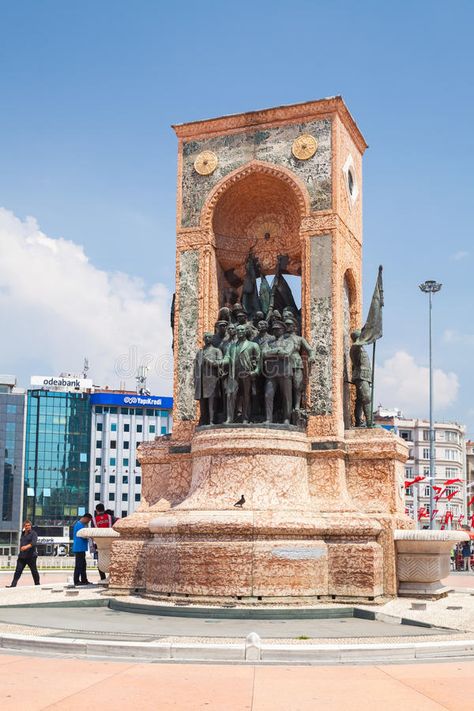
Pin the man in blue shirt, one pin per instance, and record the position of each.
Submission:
(79, 548)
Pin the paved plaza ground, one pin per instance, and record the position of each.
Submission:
(65, 684)
(38, 684)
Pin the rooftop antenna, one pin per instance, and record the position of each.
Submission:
(85, 368)
(141, 380)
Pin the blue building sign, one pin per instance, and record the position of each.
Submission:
(131, 400)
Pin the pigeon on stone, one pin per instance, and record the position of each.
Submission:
(240, 502)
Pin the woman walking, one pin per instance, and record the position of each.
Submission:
(27, 555)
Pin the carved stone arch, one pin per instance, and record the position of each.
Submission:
(257, 208)
(258, 167)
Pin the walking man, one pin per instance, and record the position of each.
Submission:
(79, 548)
(27, 555)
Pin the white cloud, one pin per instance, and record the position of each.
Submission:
(457, 256)
(400, 382)
(454, 337)
(57, 307)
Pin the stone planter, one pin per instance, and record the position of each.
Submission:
(423, 560)
(103, 538)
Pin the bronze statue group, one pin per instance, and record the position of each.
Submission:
(252, 369)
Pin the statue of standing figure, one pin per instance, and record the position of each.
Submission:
(242, 360)
(206, 378)
(362, 379)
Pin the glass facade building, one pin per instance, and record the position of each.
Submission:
(57, 450)
(12, 413)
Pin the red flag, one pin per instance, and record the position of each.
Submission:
(448, 517)
(410, 482)
(452, 494)
(460, 519)
(452, 481)
(471, 501)
(422, 513)
(433, 515)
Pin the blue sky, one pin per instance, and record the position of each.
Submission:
(88, 93)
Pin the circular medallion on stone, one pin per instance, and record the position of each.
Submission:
(304, 147)
(205, 163)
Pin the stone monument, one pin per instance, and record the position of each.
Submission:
(267, 199)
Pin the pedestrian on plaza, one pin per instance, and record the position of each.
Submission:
(466, 555)
(27, 555)
(79, 548)
(100, 519)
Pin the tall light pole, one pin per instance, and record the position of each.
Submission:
(431, 287)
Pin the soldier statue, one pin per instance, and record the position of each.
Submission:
(362, 379)
(300, 345)
(278, 373)
(242, 361)
(206, 376)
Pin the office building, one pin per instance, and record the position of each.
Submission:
(450, 509)
(12, 422)
(120, 422)
(57, 450)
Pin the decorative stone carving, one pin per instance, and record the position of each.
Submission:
(205, 163)
(423, 560)
(103, 538)
(187, 332)
(304, 147)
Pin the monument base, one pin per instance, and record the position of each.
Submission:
(304, 531)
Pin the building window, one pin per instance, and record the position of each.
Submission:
(126, 445)
(163, 430)
(11, 409)
(137, 497)
(126, 428)
(112, 497)
(426, 453)
(426, 435)
(113, 444)
(406, 435)
(451, 472)
(151, 429)
(124, 514)
(137, 463)
(97, 496)
(99, 427)
(124, 497)
(98, 444)
(98, 409)
(98, 478)
(98, 461)
(113, 410)
(83, 457)
(125, 462)
(125, 480)
(139, 428)
(124, 410)
(112, 479)
(138, 480)
(408, 472)
(427, 491)
(149, 413)
(113, 427)
(112, 461)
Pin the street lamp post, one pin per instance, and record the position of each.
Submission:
(430, 287)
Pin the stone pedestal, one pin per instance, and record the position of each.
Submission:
(307, 530)
(423, 560)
